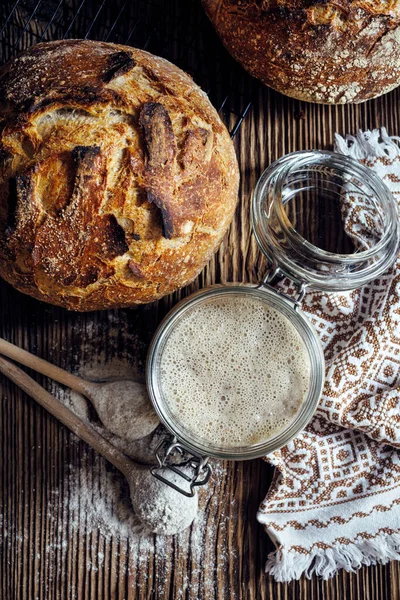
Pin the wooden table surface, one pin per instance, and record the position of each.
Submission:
(44, 554)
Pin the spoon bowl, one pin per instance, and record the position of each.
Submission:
(123, 407)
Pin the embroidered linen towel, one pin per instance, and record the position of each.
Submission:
(335, 498)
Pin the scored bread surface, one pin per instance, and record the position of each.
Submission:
(324, 51)
(118, 179)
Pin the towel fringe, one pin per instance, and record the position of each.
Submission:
(367, 144)
(288, 565)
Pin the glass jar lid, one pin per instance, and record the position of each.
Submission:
(335, 198)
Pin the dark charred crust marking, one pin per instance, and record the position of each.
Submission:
(4, 154)
(89, 95)
(80, 153)
(82, 96)
(136, 236)
(109, 237)
(136, 269)
(158, 134)
(118, 64)
(23, 185)
(166, 214)
(23, 211)
(161, 151)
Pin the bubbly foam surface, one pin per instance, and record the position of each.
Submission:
(234, 371)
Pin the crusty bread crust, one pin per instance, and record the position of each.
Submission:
(324, 51)
(118, 179)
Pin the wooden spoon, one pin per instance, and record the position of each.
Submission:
(123, 407)
(160, 508)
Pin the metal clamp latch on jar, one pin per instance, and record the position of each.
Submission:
(193, 469)
(274, 275)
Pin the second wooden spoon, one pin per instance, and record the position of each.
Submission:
(123, 406)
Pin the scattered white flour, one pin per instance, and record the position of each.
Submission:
(104, 512)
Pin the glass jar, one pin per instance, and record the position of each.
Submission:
(301, 182)
(312, 178)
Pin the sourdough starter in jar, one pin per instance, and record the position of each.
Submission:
(234, 370)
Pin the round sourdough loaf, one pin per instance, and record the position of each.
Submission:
(118, 179)
(324, 51)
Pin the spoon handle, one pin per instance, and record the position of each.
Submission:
(67, 417)
(42, 366)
